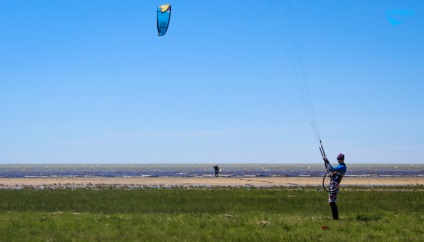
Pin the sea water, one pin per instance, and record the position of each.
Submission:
(201, 170)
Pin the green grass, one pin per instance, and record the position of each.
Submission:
(216, 214)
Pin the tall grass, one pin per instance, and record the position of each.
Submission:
(218, 214)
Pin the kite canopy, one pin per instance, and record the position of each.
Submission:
(164, 15)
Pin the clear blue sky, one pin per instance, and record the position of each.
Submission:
(89, 81)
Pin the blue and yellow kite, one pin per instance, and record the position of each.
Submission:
(164, 16)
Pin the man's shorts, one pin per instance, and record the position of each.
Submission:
(332, 196)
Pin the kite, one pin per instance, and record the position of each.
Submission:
(164, 15)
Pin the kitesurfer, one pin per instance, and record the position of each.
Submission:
(216, 168)
(336, 175)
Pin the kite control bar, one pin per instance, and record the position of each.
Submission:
(327, 174)
(324, 156)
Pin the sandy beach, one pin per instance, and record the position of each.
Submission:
(203, 181)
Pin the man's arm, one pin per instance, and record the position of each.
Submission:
(327, 163)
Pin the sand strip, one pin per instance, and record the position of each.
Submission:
(206, 181)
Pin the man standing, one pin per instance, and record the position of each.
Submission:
(336, 176)
(217, 170)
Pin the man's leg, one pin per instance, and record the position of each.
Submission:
(332, 201)
(334, 210)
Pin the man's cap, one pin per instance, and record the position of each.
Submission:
(340, 156)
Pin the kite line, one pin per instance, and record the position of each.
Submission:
(283, 17)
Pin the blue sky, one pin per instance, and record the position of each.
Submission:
(91, 82)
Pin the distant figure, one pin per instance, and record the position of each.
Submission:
(217, 170)
(335, 179)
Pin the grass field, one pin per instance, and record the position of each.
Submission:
(211, 214)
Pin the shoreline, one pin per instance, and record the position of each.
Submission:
(40, 182)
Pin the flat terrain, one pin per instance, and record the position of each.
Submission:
(208, 181)
(175, 213)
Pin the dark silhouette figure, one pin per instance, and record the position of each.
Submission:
(217, 170)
